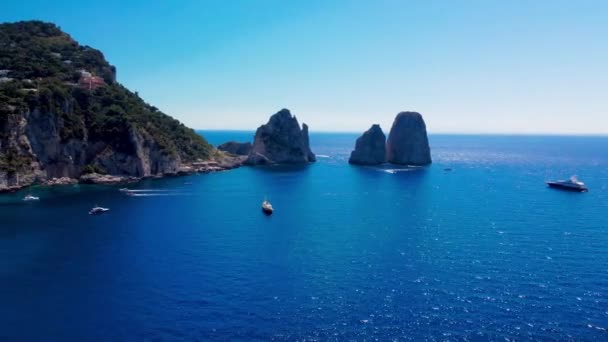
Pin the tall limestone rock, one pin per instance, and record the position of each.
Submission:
(407, 142)
(281, 141)
(370, 148)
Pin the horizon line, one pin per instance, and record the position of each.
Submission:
(430, 133)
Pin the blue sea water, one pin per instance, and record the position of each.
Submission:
(483, 252)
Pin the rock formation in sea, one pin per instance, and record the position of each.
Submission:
(370, 148)
(407, 142)
(281, 141)
(238, 148)
(64, 115)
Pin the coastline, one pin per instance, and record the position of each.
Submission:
(227, 162)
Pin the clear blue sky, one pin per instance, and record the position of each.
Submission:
(468, 66)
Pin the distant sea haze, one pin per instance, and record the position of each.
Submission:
(485, 251)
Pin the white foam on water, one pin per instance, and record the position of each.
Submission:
(160, 194)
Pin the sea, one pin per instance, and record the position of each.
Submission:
(474, 247)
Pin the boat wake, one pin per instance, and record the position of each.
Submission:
(156, 194)
(148, 190)
(394, 171)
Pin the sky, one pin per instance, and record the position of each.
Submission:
(507, 67)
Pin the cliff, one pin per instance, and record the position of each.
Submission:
(407, 142)
(370, 148)
(62, 114)
(281, 141)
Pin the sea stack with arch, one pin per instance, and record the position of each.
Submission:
(370, 148)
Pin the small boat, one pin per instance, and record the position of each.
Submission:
(127, 191)
(30, 198)
(98, 210)
(571, 184)
(267, 208)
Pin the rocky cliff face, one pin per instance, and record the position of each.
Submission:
(20, 166)
(370, 148)
(233, 147)
(33, 151)
(54, 125)
(407, 142)
(281, 141)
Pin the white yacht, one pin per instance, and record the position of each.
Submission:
(267, 208)
(98, 210)
(30, 198)
(571, 184)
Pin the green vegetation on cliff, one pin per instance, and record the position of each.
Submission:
(11, 161)
(43, 69)
(32, 49)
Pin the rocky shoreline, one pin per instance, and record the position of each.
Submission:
(280, 141)
(226, 162)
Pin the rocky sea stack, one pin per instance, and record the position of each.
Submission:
(63, 115)
(281, 141)
(238, 148)
(370, 148)
(407, 142)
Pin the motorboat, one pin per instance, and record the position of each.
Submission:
(98, 210)
(572, 184)
(127, 191)
(267, 208)
(30, 198)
